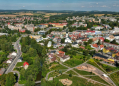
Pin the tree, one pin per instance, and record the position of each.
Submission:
(10, 79)
(30, 81)
(85, 52)
(63, 40)
(85, 43)
(32, 52)
(90, 41)
(3, 79)
(106, 40)
(44, 51)
(114, 42)
(99, 42)
(70, 75)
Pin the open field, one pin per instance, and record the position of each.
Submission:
(115, 78)
(101, 14)
(15, 14)
(8, 15)
(52, 14)
(76, 81)
(21, 14)
(98, 14)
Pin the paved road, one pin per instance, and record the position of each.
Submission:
(12, 65)
(100, 73)
(113, 72)
(89, 79)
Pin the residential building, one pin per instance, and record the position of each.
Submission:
(25, 64)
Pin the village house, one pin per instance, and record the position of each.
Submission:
(52, 57)
(25, 65)
(62, 56)
(111, 45)
(111, 37)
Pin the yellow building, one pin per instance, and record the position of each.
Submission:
(105, 51)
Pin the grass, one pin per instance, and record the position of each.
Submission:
(1, 52)
(84, 72)
(91, 61)
(55, 73)
(57, 67)
(115, 78)
(71, 72)
(108, 68)
(88, 47)
(97, 78)
(76, 81)
(76, 60)
(22, 81)
(95, 25)
(18, 69)
(19, 64)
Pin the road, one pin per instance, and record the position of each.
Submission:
(13, 64)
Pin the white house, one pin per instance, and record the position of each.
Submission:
(20, 59)
(64, 58)
(98, 28)
(9, 61)
(49, 44)
(116, 29)
(14, 54)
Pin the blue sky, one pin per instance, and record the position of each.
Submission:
(78, 5)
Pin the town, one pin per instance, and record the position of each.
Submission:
(59, 50)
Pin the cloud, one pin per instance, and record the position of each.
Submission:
(96, 3)
(82, 6)
(23, 6)
(104, 6)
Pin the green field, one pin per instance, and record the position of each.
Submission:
(71, 72)
(115, 78)
(76, 60)
(91, 61)
(76, 81)
(19, 64)
(81, 72)
(97, 78)
(57, 67)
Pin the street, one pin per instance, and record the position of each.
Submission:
(13, 64)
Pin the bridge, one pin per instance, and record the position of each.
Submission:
(37, 82)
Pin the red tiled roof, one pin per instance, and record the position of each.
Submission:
(95, 45)
(101, 46)
(117, 54)
(101, 38)
(25, 63)
(90, 31)
(61, 52)
(53, 59)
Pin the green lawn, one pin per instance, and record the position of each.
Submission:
(55, 73)
(58, 67)
(1, 52)
(22, 82)
(97, 78)
(84, 72)
(108, 68)
(76, 60)
(115, 78)
(91, 61)
(77, 81)
(95, 25)
(71, 72)
(19, 64)
(88, 47)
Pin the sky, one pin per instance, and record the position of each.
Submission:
(77, 5)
